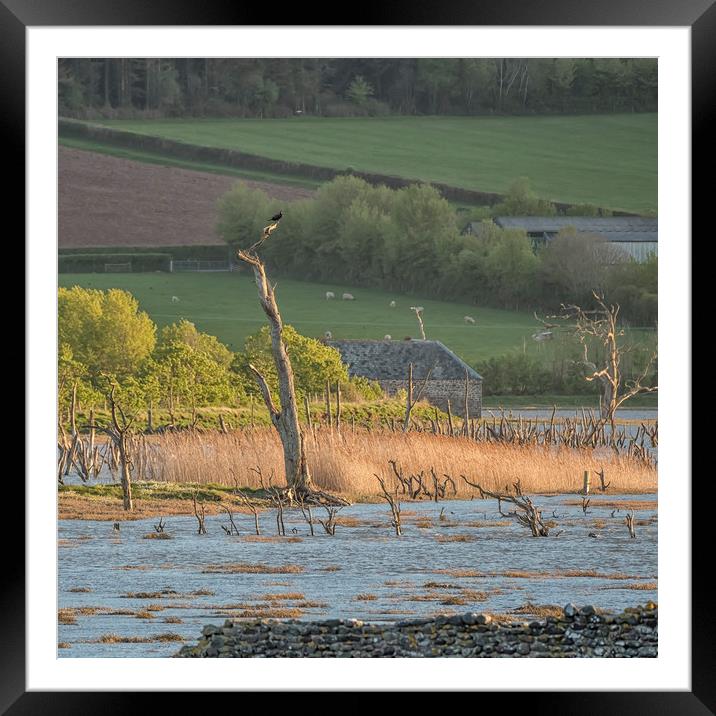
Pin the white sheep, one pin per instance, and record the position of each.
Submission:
(469, 319)
(330, 294)
(175, 299)
(348, 297)
(328, 335)
(392, 304)
(387, 337)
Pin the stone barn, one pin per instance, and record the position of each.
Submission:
(387, 362)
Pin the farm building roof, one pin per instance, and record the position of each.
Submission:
(613, 228)
(389, 360)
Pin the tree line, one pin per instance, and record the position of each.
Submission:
(335, 87)
(105, 341)
(410, 240)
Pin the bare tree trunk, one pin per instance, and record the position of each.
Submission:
(285, 419)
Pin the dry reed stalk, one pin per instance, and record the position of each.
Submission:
(345, 463)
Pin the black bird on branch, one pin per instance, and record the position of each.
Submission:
(267, 231)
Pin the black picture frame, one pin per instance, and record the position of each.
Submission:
(699, 15)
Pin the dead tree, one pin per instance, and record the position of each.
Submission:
(232, 529)
(629, 519)
(160, 527)
(307, 515)
(412, 398)
(392, 500)
(329, 524)
(528, 515)
(200, 515)
(419, 315)
(121, 435)
(277, 497)
(600, 325)
(285, 418)
(248, 504)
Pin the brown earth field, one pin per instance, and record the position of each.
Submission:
(108, 201)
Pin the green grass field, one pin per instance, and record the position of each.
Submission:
(607, 160)
(226, 305)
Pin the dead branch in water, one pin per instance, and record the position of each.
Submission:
(531, 517)
(199, 516)
(329, 524)
(232, 528)
(629, 519)
(160, 527)
(392, 500)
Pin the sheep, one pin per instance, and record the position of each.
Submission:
(348, 297)
(392, 304)
(175, 299)
(387, 337)
(328, 335)
(330, 294)
(469, 319)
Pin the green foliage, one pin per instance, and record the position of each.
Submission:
(104, 330)
(193, 368)
(359, 91)
(359, 389)
(514, 374)
(522, 201)
(634, 286)
(243, 212)
(312, 361)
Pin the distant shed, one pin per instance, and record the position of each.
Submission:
(636, 236)
(388, 361)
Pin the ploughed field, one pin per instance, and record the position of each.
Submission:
(123, 594)
(107, 201)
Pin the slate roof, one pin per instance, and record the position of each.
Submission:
(614, 228)
(389, 360)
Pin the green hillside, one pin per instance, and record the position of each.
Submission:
(226, 306)
(607, 160)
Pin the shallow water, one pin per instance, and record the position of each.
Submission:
(92, 555)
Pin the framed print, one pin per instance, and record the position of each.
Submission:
(345, 349)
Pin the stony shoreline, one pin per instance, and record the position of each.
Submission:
(578, 632)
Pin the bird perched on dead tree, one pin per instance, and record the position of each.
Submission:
(267, 231)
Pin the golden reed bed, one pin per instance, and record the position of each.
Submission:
(346, 463)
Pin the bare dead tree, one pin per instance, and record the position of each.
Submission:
(307, 514)
(629, 519)
(121, 435)
(602, 484)
(526, 513)
(200, 514)
(413, 397)
(232, 528)
(419, 315)
(600, 326)
(329, 524)
(285, 418)
(160, 527)
(248, 504)
(392, 500)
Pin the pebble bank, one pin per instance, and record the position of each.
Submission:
(578, 632)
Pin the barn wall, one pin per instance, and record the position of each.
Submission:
(438, 392)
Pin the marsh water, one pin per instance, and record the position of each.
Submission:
(453, 557)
